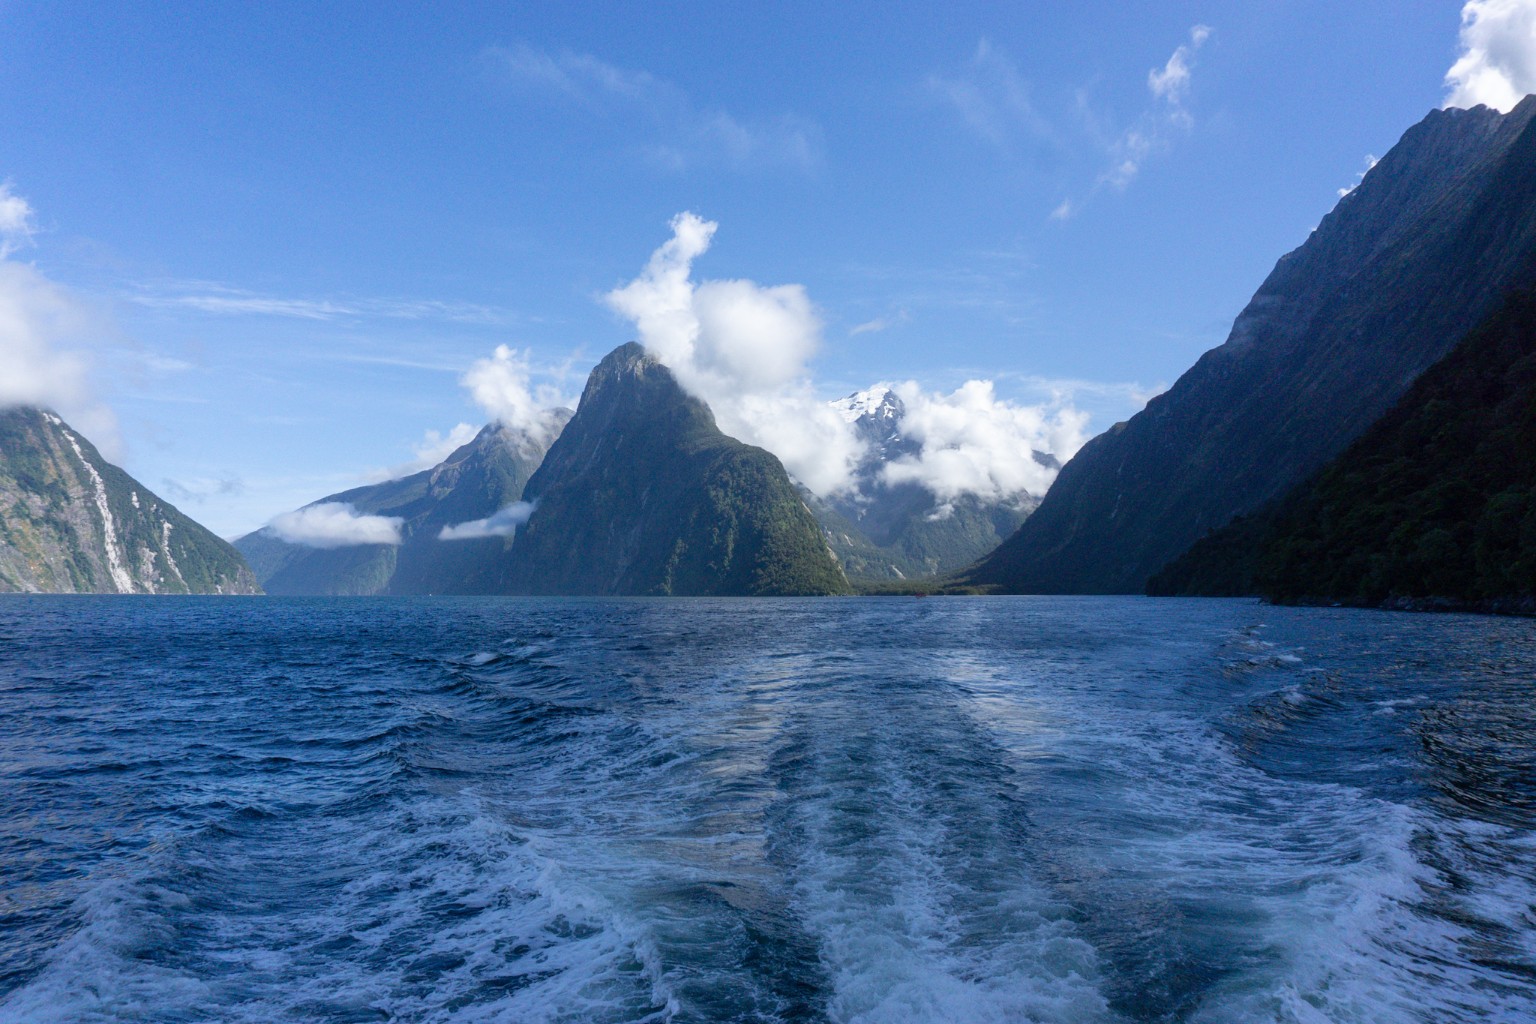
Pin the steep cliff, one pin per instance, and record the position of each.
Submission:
(1427, 246)
(642, 494)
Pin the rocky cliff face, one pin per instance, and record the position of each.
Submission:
(474, 483)
(71, 522)
(1428, 244)
(642, 494)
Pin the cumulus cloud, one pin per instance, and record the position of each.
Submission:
(1497, 66)
(742, 348)
(503, 523)
(501, 385)
(334, 524)
(978, 444)
(44, 337)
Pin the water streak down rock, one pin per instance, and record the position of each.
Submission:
(73, 523)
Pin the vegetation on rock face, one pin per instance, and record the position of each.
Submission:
(56, 538)
(1435, 505)
(1410, 261)
(642, 494)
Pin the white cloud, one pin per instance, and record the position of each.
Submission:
(682, 133)
(16, 226)
(1370, 162)
(976, 443)
(1497, 66)
(44, 337)
(1171, 81)
(501, 386)
(502, 524)
(742, 348)
(334, 524)
(1157, 127)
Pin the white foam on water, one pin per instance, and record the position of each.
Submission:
(916, 922)
(451, 917)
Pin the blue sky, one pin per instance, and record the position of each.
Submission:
(287, 231)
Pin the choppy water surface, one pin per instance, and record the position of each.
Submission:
(838, 810)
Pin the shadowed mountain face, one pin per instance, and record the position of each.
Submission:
(642, 494)
(1406, 264)
(73, 523)
(1435, 503)
(883, 531)
(479, 479)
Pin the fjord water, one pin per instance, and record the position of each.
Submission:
(1021, 809)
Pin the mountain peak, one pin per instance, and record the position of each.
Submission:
(642, 494)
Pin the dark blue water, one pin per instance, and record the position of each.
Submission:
(834, 810)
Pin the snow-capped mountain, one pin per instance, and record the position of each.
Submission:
(882, 530)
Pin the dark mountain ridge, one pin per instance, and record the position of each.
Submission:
(642, 494)
(1403, 267)
(1433, 506)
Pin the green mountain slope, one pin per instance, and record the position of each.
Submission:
(1434, 505)
(642, 494)
(71, 522)
(1405, 265)
(481, 477)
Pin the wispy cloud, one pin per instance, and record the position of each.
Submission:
(222, 300)
(993, 99)
(1171, 81)
(880, 323)
(681, 133)
(1167, 118)
(1497, 66)
(1066, 390)
(197, 490)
